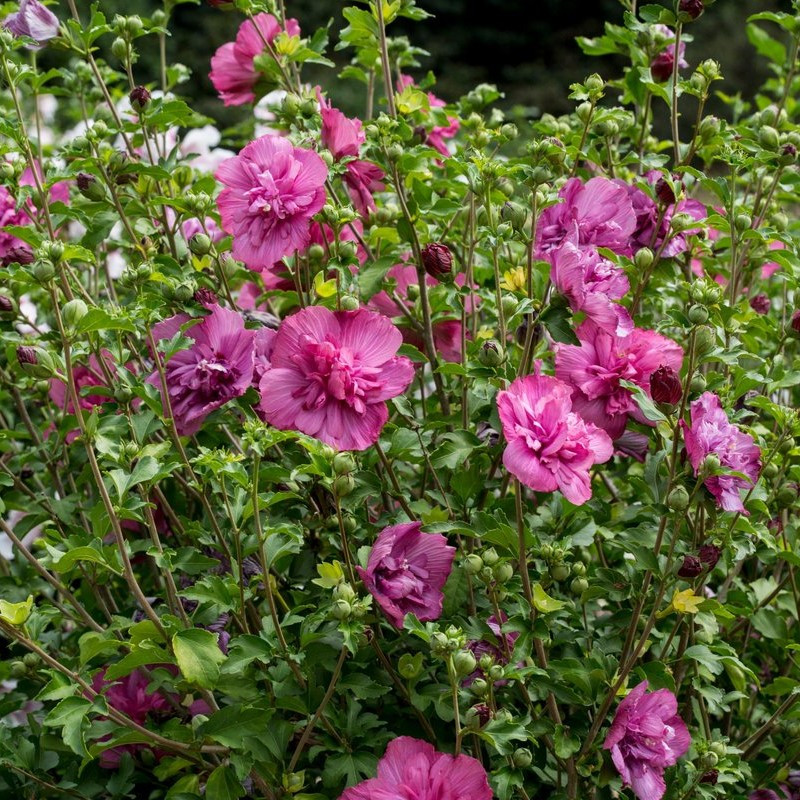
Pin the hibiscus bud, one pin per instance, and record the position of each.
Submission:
(6, 304)
(343, 463)
(496, 673)
(691, 568)
(578, 586)
(139, 97)
(742, 222)
(559, 572)
(682, 221)
(464, 662)
(50, 250)
(473, 564)
(704, 340)
(768, 137)
(479, 687)
(440, 644)
(119, 48)
(514, 214)
(698, 384)
(788, 154)
(90, 187)
(710, 776)
(665, 385)
(522, 757)
(18, 669)
(509, 304)
(709, 128)
(710, 465)
(477, 716)
(343, 485)
(691, 8)
(709, 554)
(341, 610)
(349, 303)
(316, 252)
(698, 315)
(18, 255)
(708, 760)
(643, 258)
(344, 591)
(43, 271)
(794, 325)
(35, 361)
(438, 261)
(760, 304)
(490, 557)
(205, 297)
(491, 353)
(678, 499)
(73, 312)
(664, 192)
(200, 244)
(503, 572)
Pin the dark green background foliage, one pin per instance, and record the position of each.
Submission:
(526, 47)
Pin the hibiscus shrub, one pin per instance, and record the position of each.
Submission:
(434, 455)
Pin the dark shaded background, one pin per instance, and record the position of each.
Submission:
(526, 47)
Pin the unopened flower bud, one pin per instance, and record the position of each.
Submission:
(477, 716)
(578, 586)
(690, 568)
(709, 760)
(514, 214)
(522, 757)
(20, 254)
(665, 385)
(473, 564)
(344, 591)
(698, 384)
(73, 312)
(200, 244)
(490, 557)
(341, 610)
(643, 258)
(139, 97)
(51, 250)
(43, 271)
(710, 465)
(205, 297)
(503, 572)
(710, 777)
(768, 137)
(438, 261)
(509, 131)
(343, 485)
(698, 315)
(343, 463)
(119, 48)
(682, 221)
(664, 191)
(440, 644)
(678, 499)
(90, 187)
(709, 128)
(594, 84)
(709, 554)
(479, 687)
(35, 361)
(316, 252)
(491, 353)
(509, 304)
(704, 340)
(559, 572)
(464, 662)
(496, 672)
(6, 304)
(349, 302)
(692, 9)
(742, 222)
(760, 304)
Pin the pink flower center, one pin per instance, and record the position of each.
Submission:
(333, 375)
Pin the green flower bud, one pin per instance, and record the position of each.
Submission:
(786, 496)
(643, 258)
(119, 48)
(73, 312)
(344, 591)
(769, 138)
(771, 470)
(6, 171)
(487, 575)
(698, 384)
(343, 485)
(584, 112)
(579, 569)
(341, 610)
(678, 499)
(479, 687)
(343, 463)
(682, 221)
(698, 315)
(182, 293)
(412, 292)
(490, 557)
(496, 673)
(200, 244)
(349, 303)
(709, 760)
(51, 251)
(710, 465)
(394, 152)
(522, 758)
(464, 662)
(514, 214)
(17, 669)
(509, 131)
(440, 644)
(294, 782)
(510, 304)
(123, 395)
(594, 84)
(158, 18)
(491, 353)
(718, 748)
(709, 128)
(704, 340)
(43, 271)
(742, 222)
(578, 586)
(503, 572)
(473, 564)
(559, 572)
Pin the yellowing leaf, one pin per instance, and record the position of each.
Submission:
(330, 575)
(322, 287)
(515, 280)
(412, 99)
(542, 601)
(16, 613)
(686, 602)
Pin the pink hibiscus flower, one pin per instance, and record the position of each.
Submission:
(711, 432)
(595, 368)
(590, 283)
(272, 190)
(233, 72)
(411, 768)
(647, 736)
(406, 572)
(663, 64)
(597, 213)
(331, 374)
(33, 20)
(217, 368)
(549, 446)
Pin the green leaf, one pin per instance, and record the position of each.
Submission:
(542, 601)
(198, 656)
(16, 613)
(70, 716)
(222, 784)
(230, 725)
(455, 450)
(556, 318)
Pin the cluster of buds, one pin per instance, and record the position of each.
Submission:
(343, 465)
(446, 643)
(705, 559)
(347, 605)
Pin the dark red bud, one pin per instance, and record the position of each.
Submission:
(709, 554)
(139, 97)
(665, 386)
(437, 260)
(712, 776)
(760, 304)
(795, 323)
(789, 150)
(205, 297)
(484, 713)
(665, 192)
(691, 567)
(18, 255)
(694, 8)
(27, 355)
(5, 303)
(661, 66)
